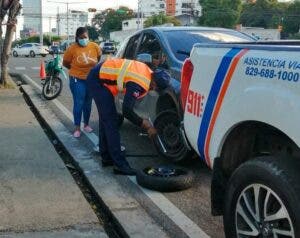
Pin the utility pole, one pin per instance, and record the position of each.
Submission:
(41, 22)
(140, 15)
(67, 3)
(58, 22)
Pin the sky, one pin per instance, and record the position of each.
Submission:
(50, 7)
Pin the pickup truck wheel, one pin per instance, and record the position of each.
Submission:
(167, 124)
(262, 199)
(165, 178)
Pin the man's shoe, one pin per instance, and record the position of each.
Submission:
(106, 163)
(126, 170)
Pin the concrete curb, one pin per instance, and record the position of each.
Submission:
(129, 218)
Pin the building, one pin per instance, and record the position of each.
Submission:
(31, 13)
(187, 7)
(186, 11)
(68, 23)
(152, 7)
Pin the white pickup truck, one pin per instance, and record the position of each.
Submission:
(241, 107)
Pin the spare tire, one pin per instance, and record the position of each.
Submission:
(165, 178)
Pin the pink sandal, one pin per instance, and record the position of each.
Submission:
(87, 129)
(77, 133)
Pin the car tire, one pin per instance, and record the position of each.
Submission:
(15, 54)
(32, 54)
(165, 178)
(167, 124)
(277, 191)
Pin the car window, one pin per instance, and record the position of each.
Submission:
(108, 44)
(131, 47)
(181, 49)
(122, 48)
(150, 45)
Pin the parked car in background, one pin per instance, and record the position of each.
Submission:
(108, 47)
(170, 46)
(54, 49)
(30, 49)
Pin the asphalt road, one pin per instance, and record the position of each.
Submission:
(194, 202)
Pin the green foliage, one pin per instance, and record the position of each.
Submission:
(36, 39)
(294, 36)
(220, 13)
(160, 19)
(111, 20)
(262, 13)
(291, 19)
(93, 33)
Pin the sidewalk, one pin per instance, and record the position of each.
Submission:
(37, 193)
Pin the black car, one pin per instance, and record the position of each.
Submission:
(54, 49)
(169, 47)
(107, 47)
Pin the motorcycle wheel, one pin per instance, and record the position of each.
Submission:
(52, 88)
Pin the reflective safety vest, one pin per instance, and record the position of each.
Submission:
(115, 73)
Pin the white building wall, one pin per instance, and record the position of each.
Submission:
(188, 7)
(76, 19)
(152, 7)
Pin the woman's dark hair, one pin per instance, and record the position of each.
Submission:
(80, 31)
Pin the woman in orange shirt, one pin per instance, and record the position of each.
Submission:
(80, 58)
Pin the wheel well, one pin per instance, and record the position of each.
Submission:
(251, 139)
(165, 102)
(246, 141)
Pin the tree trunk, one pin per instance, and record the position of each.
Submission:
(5, 45)
(10, 30)
(2, 14)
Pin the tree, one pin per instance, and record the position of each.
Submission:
(11, 9)
(262, 13)
(291, 19)
(220, 13)
(93, 33)
(111, 20)
(161, 19)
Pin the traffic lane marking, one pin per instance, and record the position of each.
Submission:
(20, 68)
(167, 207)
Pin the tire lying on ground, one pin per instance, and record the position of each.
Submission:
(165, 178)
(262, 199)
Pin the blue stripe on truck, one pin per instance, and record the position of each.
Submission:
(212, 98)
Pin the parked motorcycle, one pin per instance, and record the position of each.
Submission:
(52, 84)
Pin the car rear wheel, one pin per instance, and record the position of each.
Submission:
(262, 199)
(32, 54)
(167, 124)
(15, 54)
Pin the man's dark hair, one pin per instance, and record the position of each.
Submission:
(80, 31)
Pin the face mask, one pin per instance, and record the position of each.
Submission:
(83, 42)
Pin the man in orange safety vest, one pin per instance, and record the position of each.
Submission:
(106, 80)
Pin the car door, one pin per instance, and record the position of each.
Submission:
(126, 51)
(20, 50)
(150, 44)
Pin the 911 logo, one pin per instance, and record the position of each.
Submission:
(195, 103)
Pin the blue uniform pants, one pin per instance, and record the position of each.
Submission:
(109, 135)
(82, 101)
